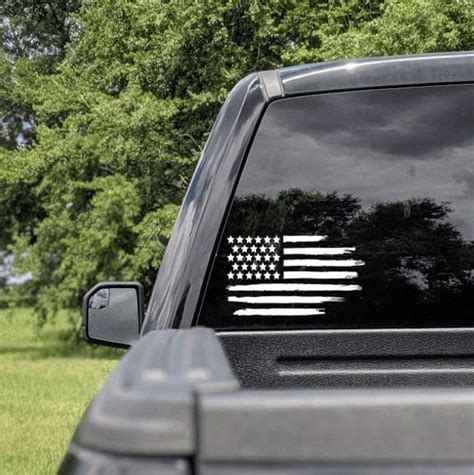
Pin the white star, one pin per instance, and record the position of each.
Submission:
(245, 266)
(248, 239)
(239, 275)
(248, 257)
(267, 275)
(244, 249)
(276, 239)
(258, 239)
(235, 249)
(240, 239)
(258, 275)
(253, 266)
(276, 275)
(230, 257)
(258, 257)
(266, 257)
(230, 240)
(235, 266)
(249, 275)
(262, 266)
(271, 266)
(253, 249)
(267, 239)
(271, 248)
(240, 257)
(230, 275)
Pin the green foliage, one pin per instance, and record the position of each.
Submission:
(121, 114)
(15, 114)
(408, 27)
(37, 26)
(33, 35)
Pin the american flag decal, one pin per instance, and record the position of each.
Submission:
(281, 276)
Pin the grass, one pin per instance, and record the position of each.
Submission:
(46, 383)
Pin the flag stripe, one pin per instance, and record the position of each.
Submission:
(292, 287)
(247, 312)
(303, 238)
(319, 275)
(321, 263)
(315, 251)
(293, 280)
(285, 299)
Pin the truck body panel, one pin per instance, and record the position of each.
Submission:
(187, 399)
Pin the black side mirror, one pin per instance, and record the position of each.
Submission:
(113, 313)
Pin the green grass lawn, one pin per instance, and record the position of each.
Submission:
(46, 383)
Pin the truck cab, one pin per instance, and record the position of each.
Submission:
(313, 312)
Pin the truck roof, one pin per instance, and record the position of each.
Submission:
(391, 71)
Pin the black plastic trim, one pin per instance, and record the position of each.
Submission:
(147, 404)
(85, 461)
(438, 357)
(272, 85)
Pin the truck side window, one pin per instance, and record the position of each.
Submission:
(354, 210)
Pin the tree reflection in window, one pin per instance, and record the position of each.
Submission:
(419, 272)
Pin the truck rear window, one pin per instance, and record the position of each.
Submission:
(353, 210)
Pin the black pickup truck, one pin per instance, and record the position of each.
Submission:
(313, 313)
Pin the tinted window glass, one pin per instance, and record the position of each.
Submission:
(354, 210)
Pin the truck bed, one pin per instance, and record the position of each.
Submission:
(175, 406)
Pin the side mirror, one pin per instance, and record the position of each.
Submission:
(113, 313)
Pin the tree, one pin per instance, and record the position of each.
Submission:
(121, 114)
(33, 35)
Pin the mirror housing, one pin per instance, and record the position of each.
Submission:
(113, 313)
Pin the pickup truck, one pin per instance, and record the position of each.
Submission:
(313, 313)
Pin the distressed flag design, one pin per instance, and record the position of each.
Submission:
(288, 276)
